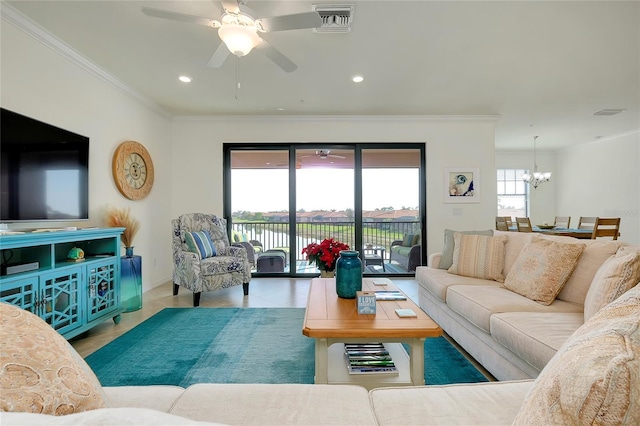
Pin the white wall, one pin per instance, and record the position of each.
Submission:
(39, 82)
(450, 142)
(542, 206)
(602, 179)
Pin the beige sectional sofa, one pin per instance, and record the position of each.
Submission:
(512, 336)
(594, 377)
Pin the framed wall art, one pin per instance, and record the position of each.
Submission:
(462, 185)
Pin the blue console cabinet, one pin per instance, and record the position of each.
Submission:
(71, 296)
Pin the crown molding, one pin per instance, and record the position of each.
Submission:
(13, 16)
(343, 118)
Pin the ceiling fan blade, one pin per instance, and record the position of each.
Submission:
(336, 156)
(182, 17)
(296, 21)
(230, 6)
(276, 56)
(219, 56)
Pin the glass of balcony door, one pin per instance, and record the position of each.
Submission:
(391, 225)
(324, 199)
(260, 207)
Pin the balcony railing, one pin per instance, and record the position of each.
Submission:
(276, 235)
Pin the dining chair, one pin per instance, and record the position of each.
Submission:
(562, 222)
(587, 222)
(523, 224)
(501, 223)
(606, 227)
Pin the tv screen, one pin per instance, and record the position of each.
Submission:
(44, 172)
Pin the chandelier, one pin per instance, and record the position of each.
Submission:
(536, 178)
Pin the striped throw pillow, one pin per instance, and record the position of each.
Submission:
(200, 242)
(478, 256)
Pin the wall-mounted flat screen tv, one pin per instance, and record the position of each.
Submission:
(44, 171)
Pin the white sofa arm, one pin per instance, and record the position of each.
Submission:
(434, 260)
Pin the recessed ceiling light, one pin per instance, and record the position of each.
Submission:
(357, 79)
(185, 79)
(280, 109)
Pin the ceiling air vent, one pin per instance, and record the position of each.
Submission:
(610, 111)
(336, 18)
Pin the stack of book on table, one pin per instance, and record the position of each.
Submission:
(368, 358)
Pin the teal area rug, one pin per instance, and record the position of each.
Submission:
(183, 346)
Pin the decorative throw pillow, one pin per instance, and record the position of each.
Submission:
(478, 256)
(39, 370)
(446, 259)
(616, 275)
(200, 242)
(408, 240)
(594, 378)
(542, 268)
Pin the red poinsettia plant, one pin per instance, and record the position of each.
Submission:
(325, 254)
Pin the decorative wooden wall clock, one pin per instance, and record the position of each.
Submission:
(133, 170)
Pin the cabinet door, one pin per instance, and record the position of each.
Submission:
(60, 299)
(22, 292)
(103, 294)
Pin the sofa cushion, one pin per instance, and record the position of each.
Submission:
(494, 403)
(616, 276)
(155, 397)
(39, 370)
(534, 336)
(512, 248)
(542, 268)
(478, 256)
(436, 281)
(594, 254)
(276, 404)
(595, 376)
(200, 242)
(447, 250)
(101, 417)
(478, 303)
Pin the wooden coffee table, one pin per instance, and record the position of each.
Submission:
(332, 321)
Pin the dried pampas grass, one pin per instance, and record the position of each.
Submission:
(117, 218)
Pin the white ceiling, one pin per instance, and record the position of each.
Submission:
(543, 66)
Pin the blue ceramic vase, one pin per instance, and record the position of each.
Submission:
(348, 274)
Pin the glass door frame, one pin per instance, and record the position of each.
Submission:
(358, 216)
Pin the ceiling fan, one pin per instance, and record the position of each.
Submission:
(239, 30)
(323, 154)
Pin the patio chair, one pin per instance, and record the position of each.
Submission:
(253, 247)
(202, 263)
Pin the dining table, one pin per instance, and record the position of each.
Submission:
(583, 234)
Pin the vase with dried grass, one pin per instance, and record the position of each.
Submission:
(117, 218)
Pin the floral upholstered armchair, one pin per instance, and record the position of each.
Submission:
(203, 259)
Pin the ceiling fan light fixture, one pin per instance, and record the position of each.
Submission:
(240, 39)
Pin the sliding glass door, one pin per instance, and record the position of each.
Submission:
(369, 196)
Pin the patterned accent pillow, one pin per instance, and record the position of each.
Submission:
(446, 260)
(39, 370)
(594, 377)
(542, 268)
(478, 256)
(408, 239)
(200, 242)
(617, 274)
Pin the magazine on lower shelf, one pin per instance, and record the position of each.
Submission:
(368, 358)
